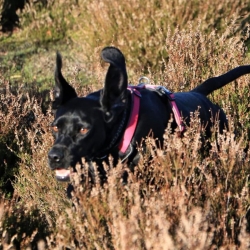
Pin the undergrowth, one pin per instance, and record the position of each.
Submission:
(178, 197)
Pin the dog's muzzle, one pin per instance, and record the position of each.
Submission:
(57, 162)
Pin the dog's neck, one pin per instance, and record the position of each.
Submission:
(116, 133)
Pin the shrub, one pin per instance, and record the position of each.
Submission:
(177, 199)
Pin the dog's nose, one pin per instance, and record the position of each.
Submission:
(55, 155)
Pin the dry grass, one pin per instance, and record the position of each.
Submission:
(140, 29)
(181, 197)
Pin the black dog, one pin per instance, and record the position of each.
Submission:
(106, 122)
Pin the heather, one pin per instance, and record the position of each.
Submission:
(180, 196)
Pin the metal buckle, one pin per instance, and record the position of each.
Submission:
(166, 92)
(144, 80)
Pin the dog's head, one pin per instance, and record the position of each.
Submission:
(83, 126)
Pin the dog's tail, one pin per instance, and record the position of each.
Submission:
(218, 82)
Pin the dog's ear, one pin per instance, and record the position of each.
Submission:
(114, 94)
(63, 92)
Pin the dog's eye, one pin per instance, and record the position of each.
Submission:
(83, 131)
(55, 129)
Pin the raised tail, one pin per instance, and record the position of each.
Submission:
(218, 82)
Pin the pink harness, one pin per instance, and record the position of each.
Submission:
(133, 119)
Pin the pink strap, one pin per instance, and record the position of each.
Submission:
(176, 112)
(128, 135)
(177, 115)
(133, 119)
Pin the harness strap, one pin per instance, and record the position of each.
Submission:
(177, 114)
(133, 119)
(171, 98)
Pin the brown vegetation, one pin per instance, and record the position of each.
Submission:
(179, 199)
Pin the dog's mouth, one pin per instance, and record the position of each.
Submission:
(62, 174)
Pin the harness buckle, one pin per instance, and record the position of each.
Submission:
(166, 92)
(144, 80)
(134, 90)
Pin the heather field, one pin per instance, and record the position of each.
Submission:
(180, 197)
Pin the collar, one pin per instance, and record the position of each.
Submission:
(124, 145)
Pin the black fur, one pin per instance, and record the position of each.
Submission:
(101, 114)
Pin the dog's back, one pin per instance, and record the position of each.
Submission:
(209, 113)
